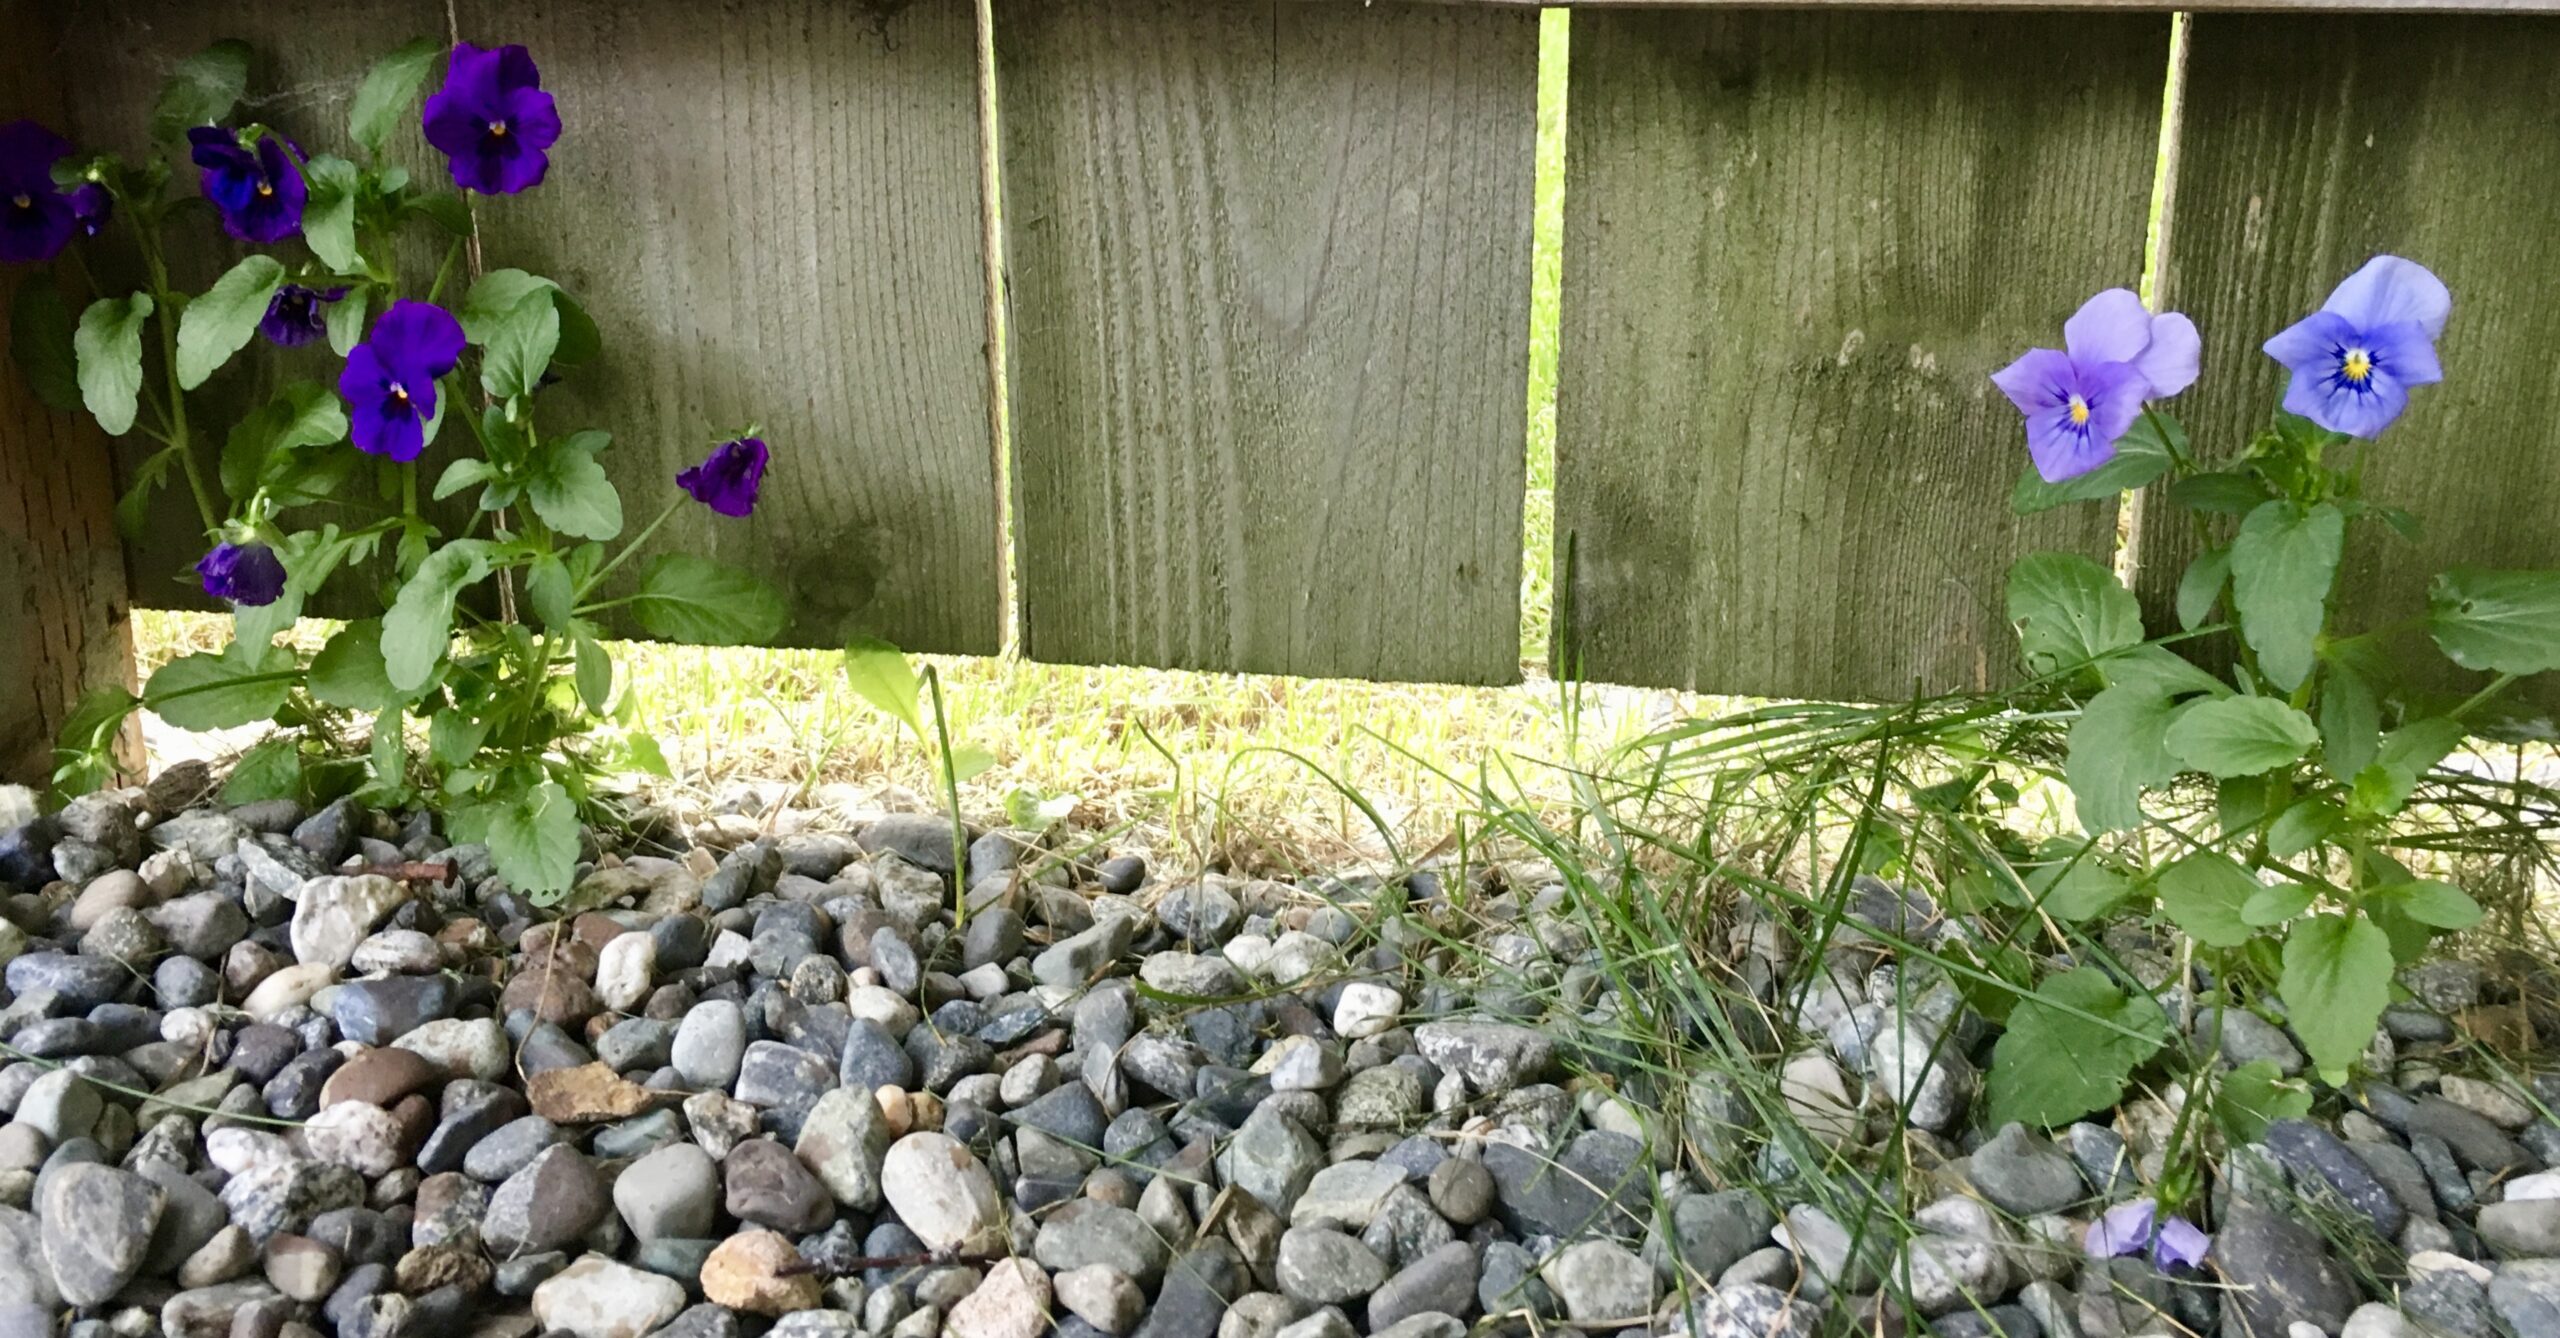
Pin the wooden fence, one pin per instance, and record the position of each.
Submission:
(1266, 275)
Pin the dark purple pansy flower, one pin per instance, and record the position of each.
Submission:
(2355, 358)
(390, 379)
(91, 204)
(726, 480)
(2136, 1228)
(37, 219)
(249, 574)
(297, 315)
(492, 120)
(2080, 398)
(258, 190)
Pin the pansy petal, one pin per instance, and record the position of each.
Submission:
(533, 118)
(2181, 1243)
(451, 125)
(2312, 341)
(2114, 392)
(2388, 290)
(2319, 395)
(2176, 351)
(417, 340)
(2405, 353)
(2125, 1229)
(2038, 380)
(2114, 326)
(471, 75)
(515, 68)
(28, 152)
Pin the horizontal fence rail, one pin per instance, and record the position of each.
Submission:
(1266, 274)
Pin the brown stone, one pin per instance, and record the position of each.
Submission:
(557, 996)
(759, 1271)
(114, 890)
(592, 931)
(301, 1267)
(546, 945)
(428, 1267)
(591, 1093)
(380, 1077)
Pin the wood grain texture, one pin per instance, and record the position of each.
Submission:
(771, 208)
(2153, 6)
(63, 610)
(309, 56)
(1796, 246)
(1269, 271)
(2310, 145)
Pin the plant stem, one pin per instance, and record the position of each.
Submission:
(167, 319)
(951, 792)
(629, 549)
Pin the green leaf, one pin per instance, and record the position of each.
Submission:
(2240, 804)
(2201, 587)
(389, 756)
(2405, 754)
(2350, 723)
(2118, 749)
(2337, 977)
(2438, 905)
(579, 338)
(881, 675)
(461, 474)
(1032, 811)
(419, 628)
(701, 602)
(2221, 494)
(443, 208)
(2282, 564)
(2054, 1065)
(302, 414)
(109, 349)
(454, 738)
(2504, 622)
(272, 770)
(969, 761)
(390, 88)
(553, 594)
(2142, 455)
(349, 671)
(2161, 670)
(2203, 894)
(642, 753)
(2255, 1095)
(571, 493)
(520, 345)
(2276, 903)
(2075, 885)
(40, 342)
(494, 299)
(329, 217)
(594, 674)
(202, 90)
(534, 842)
(85, 753)
(2241, 736)
(2069, 610)
(346, 320)
(240, 686)
(2308, 823)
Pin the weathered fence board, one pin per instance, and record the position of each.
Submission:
(2311, 144)
(1796, 246)
(1270, 271)
(63, 600)
(2159, 6)
(770, 207)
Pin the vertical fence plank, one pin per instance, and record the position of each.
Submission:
(771, 209)
(2311, 143)
(1269, 267)
(1796, 246)
(63, 606)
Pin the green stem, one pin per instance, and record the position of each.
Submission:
(2481, 698)
(627, 550)
(444, 271)
(951, 792)
(166, 319)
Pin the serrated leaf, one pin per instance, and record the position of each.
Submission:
(2142, 455)
(329, 215)
(2202, 893)
(2201, 587)
(2255, 1095)
(2504, 622)
(2241, 736)
(202, 90)
(494, 298)
(520, 345)
(2437, 905)
(454, 738)
(2053, 1065)
(2160, 670)
(462, 474)
(390, 88)
(572, 494)
(271, 770)
(644, 754)
(882, 675)
(108, 347)
(2337, 977)
(40, 342)
(2118, 749)
(534, 841)
(389, 757)
(2308, 823)
(553, 595)
(301, 415)
(701, 602)
(2350, 723)
(419, 628)
(2276, 903)
(349, 672)
(2282, 564)
(240, 686)
(2068, 611)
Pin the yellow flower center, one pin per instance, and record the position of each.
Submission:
(23, 200)
(2079, 412)
(2356, 366)
(399, 392)
(498, 128)
(266, 188)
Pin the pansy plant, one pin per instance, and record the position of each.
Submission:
(2305, 732)
(481, 684)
